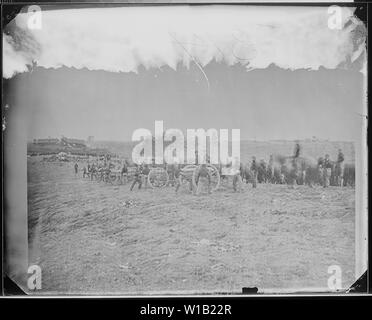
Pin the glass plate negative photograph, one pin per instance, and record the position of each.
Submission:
(185, 150)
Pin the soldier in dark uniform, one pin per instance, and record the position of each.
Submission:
(261, 175)
(254, 170)
(320, 170)
(296, 155)
(327, 170)
(297, 150)
(340, 168)
(170, 168)
(177, 172)
(137, 177)
(237, 171)
(293, 174)
(145, 173)
(270, 169)
(124, 171)
(203, 173)
(90, 171)
(242, 171)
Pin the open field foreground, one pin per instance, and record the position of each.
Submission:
(91, 237)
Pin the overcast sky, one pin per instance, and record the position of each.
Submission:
(259, 81)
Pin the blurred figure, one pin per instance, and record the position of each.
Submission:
(177, 173)
(76, 167)
(124, 172)
(340, 168)
(254, 170)
(327, 171)
(293, 174)
(237, 175)
(203, 175)
(171, 169)
(270, 170)
(137, 177)
(296, 155)
(145, 173)
(297, 150)
(320, 170)
(262, 171)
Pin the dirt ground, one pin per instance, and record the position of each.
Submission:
(90, 237)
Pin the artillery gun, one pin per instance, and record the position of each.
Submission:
(188, 175)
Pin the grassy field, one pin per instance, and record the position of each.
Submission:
(89, 237)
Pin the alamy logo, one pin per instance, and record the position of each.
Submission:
(335, 280)
(335, 18)
(34, 280)
(34, 20)
(216, 151)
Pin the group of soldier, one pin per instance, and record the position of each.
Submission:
(99, 169)
(295, 169)
(289, 170)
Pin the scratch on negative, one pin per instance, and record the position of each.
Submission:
(193, 58)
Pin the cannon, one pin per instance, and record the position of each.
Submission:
(188, 175)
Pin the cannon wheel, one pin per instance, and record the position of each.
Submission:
(153, 172)
(215, 177)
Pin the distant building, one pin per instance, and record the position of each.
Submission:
(47, 141)
(73, 142)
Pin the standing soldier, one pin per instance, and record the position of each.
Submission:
(93, 171)
(247, 173)
(293, 174)
(124, 172)
(270, 169)
(262, 171)
(90, 170)
(340, 168)
(203, 173)
(254, 170)
(145, 173)
(327, 170)
(320, 170)
(297, 150)
(296, 155)
(237, 171)
(170, 168)
(76, 166)
(177, 174)
(242, 171)
(137, 177)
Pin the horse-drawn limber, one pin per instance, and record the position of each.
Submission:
(189, 175)
(175, 175)
(160, 176)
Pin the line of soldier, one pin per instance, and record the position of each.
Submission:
(326, 173)
(96, 169)
(296, 171)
